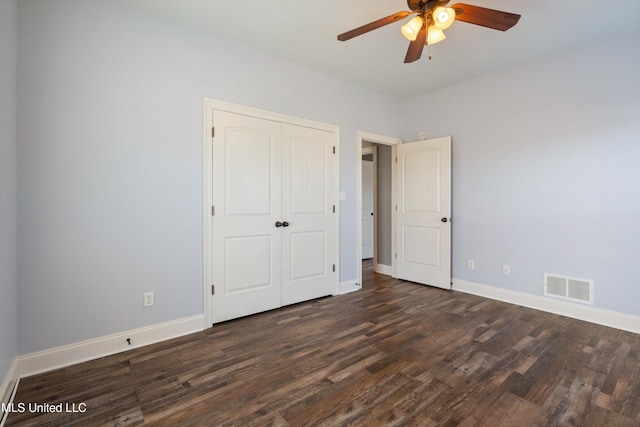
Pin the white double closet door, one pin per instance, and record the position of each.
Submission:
(275, 227)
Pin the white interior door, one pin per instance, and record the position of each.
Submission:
(423, 233)
(367, 209)
(310, 197)
(247, 249)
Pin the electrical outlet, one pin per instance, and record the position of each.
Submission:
(471, 264)
(506, 270)
(148, 299)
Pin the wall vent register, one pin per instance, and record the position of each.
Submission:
(568, 288)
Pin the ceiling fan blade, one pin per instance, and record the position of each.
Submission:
(415, 47)
(490, 18)
(373, 25)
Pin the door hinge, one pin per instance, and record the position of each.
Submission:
(334, 208)
(334, 149)
(213, 132)
(396, 159)
(396, 255)
(334, 268)
(213, 211)
(396, 207)
(213, 289)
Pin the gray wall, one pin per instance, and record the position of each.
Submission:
(384, 204)
(545, 170)
(8, 141)
(110, 160)
(109, 167)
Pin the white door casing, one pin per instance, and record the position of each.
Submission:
(423, 218)
(367, 209)
(262, 170)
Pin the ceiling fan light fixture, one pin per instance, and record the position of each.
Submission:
(430, 18)
(411, 29)
(434, 35)
(443, 17)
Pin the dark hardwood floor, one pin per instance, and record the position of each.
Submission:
(394, 353)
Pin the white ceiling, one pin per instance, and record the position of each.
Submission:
(304, 31)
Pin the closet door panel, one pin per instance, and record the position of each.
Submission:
(309, 198)
(247, 246)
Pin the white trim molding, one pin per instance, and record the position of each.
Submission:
(613, 319)
(349, 286)
(383, 269)
(59, 357)
(8, 389)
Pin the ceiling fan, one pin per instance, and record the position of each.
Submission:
(432, 18)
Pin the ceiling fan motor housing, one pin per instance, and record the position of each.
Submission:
(425, 5)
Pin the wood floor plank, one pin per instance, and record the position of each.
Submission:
(394, 353)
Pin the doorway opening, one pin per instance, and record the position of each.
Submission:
(376, 230)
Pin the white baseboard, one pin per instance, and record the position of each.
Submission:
(383, 269)
(349, 286)
(8, 388)
(614, 319)
(59, 357)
